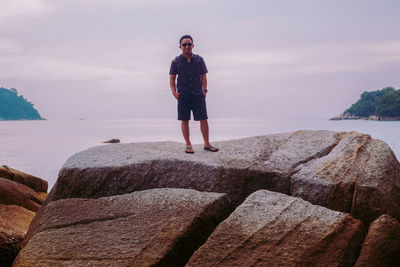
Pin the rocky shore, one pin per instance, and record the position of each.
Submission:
(292, 199)
(347, 116)
(21, 196)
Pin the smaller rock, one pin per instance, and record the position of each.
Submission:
(382, 244)
(13, 193)
(31, 181)
(21, 195)
(14, 222)
(360, 176)
(273, 229)
(112, 141)
(156, 227)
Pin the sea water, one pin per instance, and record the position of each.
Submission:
(41, 148)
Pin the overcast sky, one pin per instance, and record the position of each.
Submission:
(110, 59)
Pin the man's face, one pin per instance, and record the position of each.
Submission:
(187, 49)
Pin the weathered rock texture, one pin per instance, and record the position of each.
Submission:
(36, 183)
(121, 168)
(21, 195)
(345, 172)
(156, 227)
(14, 222)
(382, 244)
(360, 175)
(273, 229)
(349, 172)
(13, 193)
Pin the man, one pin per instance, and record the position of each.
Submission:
(192, 91)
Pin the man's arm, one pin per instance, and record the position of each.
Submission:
(204, 83)
(172, 78)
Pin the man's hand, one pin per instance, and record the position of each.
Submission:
(204, 92)
(176, 94)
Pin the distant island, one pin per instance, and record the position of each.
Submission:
(376, 105)
(16, 107)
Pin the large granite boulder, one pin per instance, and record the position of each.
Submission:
(273, 229)
(344, 171)
(121, 168)
(382, 244)
(156, 227)
(21, 195)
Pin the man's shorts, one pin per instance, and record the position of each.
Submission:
(192, 101)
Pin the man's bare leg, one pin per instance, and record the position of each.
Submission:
(204, 132)
(186, 134)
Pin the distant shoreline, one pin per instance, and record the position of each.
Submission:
(370, 118)
(41, 119)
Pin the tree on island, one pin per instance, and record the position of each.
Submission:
(16, 107)
(381, 103)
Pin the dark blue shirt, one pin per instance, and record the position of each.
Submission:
(189, 74)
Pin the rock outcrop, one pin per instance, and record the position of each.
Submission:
(21, 195)
(156, 227)
(348, 172)
(347, 116)
(273, 229)
(382, 244)
(301, 198)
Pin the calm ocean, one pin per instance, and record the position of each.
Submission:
(41, 147)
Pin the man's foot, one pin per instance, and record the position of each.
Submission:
(189, 150)
(211, 148)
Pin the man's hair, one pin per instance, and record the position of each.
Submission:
(184, 37)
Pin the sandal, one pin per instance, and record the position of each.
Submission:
(211, 148)
(188, 148)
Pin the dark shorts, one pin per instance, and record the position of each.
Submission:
(192, 101)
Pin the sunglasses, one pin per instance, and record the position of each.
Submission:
(187, 44)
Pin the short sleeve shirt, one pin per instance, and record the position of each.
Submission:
(189, 74)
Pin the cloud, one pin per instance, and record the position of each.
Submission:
(357, 57)
(331, 68)
(244, 67)
(339, 57)
(11, 9)
(385, 51)
(254, 58)
(9, 46)
(142, 4)
(48, 69)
